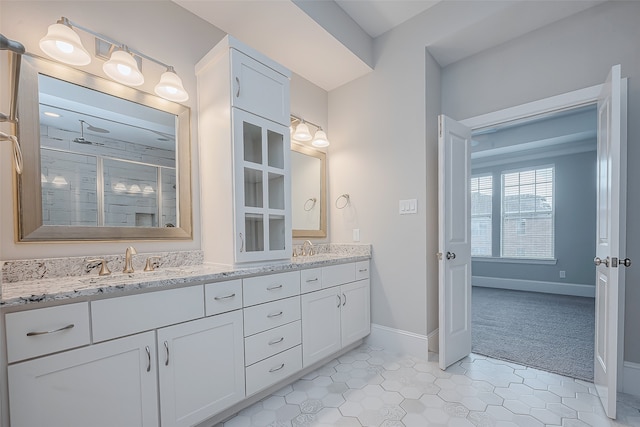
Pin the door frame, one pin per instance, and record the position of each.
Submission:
(553, 104)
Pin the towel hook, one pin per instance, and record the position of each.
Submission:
(309, 204)
(343, 204)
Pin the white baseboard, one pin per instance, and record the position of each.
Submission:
(398, 340)
(631, 378)
(559, 288)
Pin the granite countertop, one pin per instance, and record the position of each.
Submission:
(39, 290)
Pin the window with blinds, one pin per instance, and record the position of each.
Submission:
(528, 213)
(481, 203)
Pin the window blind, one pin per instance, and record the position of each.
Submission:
(481, 215)
(528, 213)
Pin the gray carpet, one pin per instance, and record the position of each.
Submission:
(554, 333)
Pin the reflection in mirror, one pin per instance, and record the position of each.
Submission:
(308, 192)
(105, 167)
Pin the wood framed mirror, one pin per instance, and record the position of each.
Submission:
(102, 161)
(308, 192)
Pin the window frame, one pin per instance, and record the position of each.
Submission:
(491, 214)
(504, 172)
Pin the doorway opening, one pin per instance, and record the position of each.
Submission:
(533, 218)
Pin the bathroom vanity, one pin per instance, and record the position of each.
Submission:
(178, 347)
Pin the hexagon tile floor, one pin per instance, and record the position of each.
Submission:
(370, 387)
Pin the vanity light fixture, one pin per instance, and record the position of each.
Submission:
(123, 68)
(302, 133)
(62, 43)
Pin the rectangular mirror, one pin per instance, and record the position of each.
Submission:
(102, 161)
(308, 192)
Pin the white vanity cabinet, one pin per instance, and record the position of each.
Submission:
(103, 385)
(201, 368)
(243, 119)
(338, 314)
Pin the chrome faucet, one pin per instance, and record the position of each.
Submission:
(304, 245)
(128, 265)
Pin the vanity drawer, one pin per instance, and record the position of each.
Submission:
(271, 315)
(46, 330)
(117, 317)
(362, 270)
(269, 371)
(334, 275)
(265, 344)
(310, 280)
(256, 290)
(221, 297)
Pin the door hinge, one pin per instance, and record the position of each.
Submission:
(439, 256)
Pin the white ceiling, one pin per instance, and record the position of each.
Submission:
(456, 29)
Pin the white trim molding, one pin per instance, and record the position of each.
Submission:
(397, 340)
(631, 378)
(559, 288)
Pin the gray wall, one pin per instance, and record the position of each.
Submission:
(571, 54)
(575, 222)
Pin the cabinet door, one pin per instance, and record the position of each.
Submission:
(356, 311)
(320, 324)
(259, 89)
(262, 188)
(201, 368)
(104, 385)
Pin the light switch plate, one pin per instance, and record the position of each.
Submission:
(356, 234)
(408, 207)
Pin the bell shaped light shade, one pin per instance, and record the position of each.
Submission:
(123, 68)
(63, 44)
(302, 132)
(320, 139)
(170, 87)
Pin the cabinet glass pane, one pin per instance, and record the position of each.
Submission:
(254, 230)
(275, 143)
(252, 136)
(253, 188)
(276, 191)
(276, 232)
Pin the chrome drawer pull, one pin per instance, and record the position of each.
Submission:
(166, 347)
(312, 280)
(272, 342)
(363, 270)
(344, 301)
(339, 301)
(273, 288)
(224, 297)
(274, 314)
(33, 334)
(276, 369)
(148, 350)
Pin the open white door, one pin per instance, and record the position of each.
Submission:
(454, 240)
(610, 239)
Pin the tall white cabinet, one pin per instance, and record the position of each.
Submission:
(243, 125)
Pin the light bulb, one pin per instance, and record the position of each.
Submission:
(63, 44)
(320, 139)
(123, 68)
(302, 132)
(170, 87)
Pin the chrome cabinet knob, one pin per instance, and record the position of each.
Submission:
(597, 261)
(451, 255)
(626, 262)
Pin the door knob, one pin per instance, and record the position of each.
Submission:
(626, 262)
(451, 255)
(598, 261)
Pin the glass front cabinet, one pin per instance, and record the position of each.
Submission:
(244, 142)
(263, 190)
